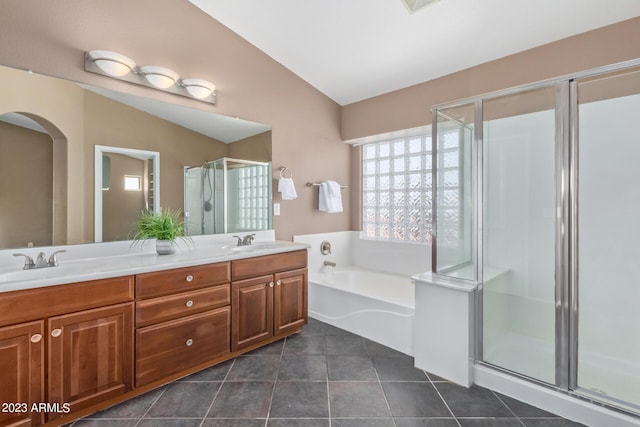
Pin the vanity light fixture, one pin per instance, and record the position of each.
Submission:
(198, 88)
(159, 77)
(112, 63)
(117, 66)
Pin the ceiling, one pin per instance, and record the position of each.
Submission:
(356, 49)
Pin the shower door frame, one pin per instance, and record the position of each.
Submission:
(566, 224)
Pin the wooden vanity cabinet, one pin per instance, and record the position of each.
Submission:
(88, 347)
(21, 373)
(270, 299)
(183, 319)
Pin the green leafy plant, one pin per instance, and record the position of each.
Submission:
(168, 224)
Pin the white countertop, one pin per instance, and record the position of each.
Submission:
(79, 270)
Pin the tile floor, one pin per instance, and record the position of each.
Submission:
(320, 377)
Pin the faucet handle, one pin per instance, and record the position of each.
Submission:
(53, 260)
(248, 239)
(28, 261)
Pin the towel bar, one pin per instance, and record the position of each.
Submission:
(317, 184)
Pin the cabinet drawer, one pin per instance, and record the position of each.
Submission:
(171, 347)
(268, 264)
(30, 304)
(171, 307)
(168, 282)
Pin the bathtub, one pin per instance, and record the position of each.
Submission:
(377, 306)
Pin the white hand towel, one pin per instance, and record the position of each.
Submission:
(330, 197)
(286, 187)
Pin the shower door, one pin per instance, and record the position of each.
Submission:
(608, 225)
(518, 233)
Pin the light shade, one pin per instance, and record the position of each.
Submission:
(159, 76)
(198, 88)
(112, 63)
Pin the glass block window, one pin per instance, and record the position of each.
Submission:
(396, 190)
(253, 198)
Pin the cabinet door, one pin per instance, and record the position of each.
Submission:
(90, 356)
(290, 301)
(21, 373)
(252, 311)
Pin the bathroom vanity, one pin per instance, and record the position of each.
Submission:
(74, 347)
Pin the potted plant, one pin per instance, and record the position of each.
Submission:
(166, 226)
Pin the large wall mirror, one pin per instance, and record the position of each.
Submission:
(50, 132)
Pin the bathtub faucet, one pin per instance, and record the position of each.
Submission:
(330, 263)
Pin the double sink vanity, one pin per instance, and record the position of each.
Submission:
(91, 333)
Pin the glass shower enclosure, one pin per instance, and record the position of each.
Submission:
(537, 203)
(228, 196)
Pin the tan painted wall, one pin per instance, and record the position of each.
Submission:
(257, 148)
(50, 38)
(410, 107)
(26, 188)
(119, 207)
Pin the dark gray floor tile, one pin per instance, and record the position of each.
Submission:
(549, 422)
(247, 399)
(435, 378)
(214, 373)
(357, 399)
(170, 422)
(332, 330)
(300, 400)
(376, 349)
(133, 408)
(106, 423)
(414, 399)
(313, 328)
(256, 368)
(275, 348)
(299, 344)
(212, 422)
(489, 422)
(292, 422)
(426, 422)
(524, 410)
(184, 400)
(302, 367)
(472, 402)
(362, 422)
(398, 369)
(346, 344)
(351, 368)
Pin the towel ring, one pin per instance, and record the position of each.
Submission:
(283, 170)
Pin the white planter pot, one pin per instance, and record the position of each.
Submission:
(165, 247)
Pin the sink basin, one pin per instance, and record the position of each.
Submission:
(70, 269)
(258, 246)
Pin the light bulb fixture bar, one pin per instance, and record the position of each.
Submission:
(117, 66)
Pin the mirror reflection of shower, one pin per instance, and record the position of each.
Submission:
(226, 196)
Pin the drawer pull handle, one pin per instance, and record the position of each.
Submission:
(189, 342)
(56, 332)
(271, 284)
(279, 282)
(36, 338)
(189, 303)
(189, 278)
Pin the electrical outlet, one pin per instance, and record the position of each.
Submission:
(276, 209)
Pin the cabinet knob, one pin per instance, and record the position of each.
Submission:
(56, 332)
(189, 342)
(189, 278)
(36, 338)
(271, 284)
(279, 282)
(189, 303)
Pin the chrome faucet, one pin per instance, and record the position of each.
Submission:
(41, 260)
(330, 263)
(246, 240)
